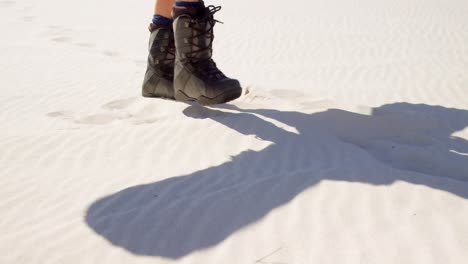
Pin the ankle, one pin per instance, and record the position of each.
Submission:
(160, 20)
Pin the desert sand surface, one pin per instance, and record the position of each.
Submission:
(348, 145)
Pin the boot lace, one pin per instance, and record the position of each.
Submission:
(203, 29)
(165, 61)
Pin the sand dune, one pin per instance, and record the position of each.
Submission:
(349, 144)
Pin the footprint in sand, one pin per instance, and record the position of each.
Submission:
(99, 119)
(85, 45)
(7, 3)
(110, 53)
(65, 115)
(62, 35)
(28, 18)
(250, 94)
(120, 104)
(61, 39)
(133, 110)
(58, 34)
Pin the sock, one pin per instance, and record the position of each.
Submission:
(188, 4)
(161, 20)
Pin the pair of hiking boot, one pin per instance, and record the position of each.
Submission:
(180, 64)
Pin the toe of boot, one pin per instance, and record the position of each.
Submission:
(221, 92)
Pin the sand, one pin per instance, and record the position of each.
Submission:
(349, 144)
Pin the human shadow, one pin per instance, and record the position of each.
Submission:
(396, 142)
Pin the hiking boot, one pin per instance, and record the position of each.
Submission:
(196, 77)
(159, 75)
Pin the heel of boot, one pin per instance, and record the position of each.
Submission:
(157, 87)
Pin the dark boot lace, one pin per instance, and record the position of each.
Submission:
(164, 50)
(200, 57)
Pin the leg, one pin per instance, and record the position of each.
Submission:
(159, 74)
(196, 76)
(162, 12)
(163, 8)
(189, 74)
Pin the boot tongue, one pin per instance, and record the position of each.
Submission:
(203, 41)
(178, 11)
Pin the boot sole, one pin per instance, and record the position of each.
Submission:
(203, 100)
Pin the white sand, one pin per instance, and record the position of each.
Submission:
(351, 145)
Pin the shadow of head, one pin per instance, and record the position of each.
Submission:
(398, 142)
